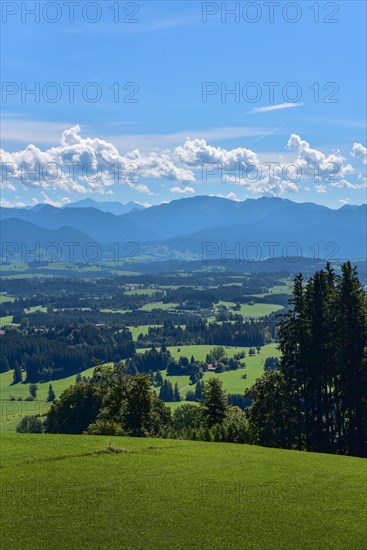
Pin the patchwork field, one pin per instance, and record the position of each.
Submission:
(12, 411)
(232, 380)
(62, 491)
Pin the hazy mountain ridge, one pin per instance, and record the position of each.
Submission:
(115, 207)
(185, 224)
(103, 227)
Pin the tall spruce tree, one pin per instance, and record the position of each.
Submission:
(292, 345)
(214, 402)
(350, 345)
(166, 391)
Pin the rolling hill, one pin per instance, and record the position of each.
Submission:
(171, 494)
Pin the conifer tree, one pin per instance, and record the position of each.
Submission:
(199, 390)
(17, 374)
(350, 343)
(51, 394)
(176, 393)
(158, 378)
(33, 388)
(214, 402)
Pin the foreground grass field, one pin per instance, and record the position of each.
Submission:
(70, 492)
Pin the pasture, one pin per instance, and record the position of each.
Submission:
(12, 411)
(254, 311)
(61, 491)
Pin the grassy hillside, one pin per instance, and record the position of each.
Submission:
(69, 492)
(232, 380)
(12, 411)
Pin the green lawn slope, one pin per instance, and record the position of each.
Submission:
(63, 491)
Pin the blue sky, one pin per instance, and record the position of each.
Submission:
(181, 136)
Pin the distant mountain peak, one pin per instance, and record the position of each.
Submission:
(115, 207)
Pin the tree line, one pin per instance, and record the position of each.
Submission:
(57, 353)
(198, 331)
(114, 403)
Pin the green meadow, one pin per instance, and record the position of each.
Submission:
(4, 298)
(61, 491)
(232, 380)
(12, 411)
(256, 310)
(33, 309)
(7, 320)
(158, 305)
(141, 329)
(144, 329)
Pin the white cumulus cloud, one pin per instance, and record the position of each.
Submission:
(142, 188)
(359, 152)
(80, 164)
(182, 190)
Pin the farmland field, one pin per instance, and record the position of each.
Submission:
(232, 380)
(255, 311)
(173, 494)
(4, 298)
(141, 329)
(7, 320)
(158, 305)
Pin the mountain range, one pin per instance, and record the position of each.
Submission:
(116, 208)
(183, 227)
